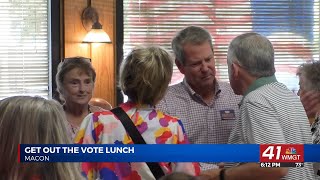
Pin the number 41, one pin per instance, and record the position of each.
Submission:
(269, 152)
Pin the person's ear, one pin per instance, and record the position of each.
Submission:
(235, 70)
(180, 66)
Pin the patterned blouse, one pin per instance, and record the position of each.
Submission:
(72, 130)
(315, 131)
(154, 126)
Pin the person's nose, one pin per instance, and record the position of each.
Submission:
(298, 93)
(82, 87)
(204, 67)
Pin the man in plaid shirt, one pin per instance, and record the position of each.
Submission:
(207, 107)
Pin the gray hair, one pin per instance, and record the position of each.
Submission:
(68, 64)
(145, 74)
(192, 34)
(253, 52)
(311, 74)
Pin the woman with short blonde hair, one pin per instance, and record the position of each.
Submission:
(145, 74)
(32, 120)
(144, 77)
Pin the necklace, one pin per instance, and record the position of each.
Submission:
(74, 129)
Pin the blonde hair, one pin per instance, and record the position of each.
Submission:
(32, 120)
(145, 74)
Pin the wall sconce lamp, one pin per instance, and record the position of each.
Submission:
(90, 21)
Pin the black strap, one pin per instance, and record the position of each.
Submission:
(136, 138)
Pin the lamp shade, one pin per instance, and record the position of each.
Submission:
(97, 36)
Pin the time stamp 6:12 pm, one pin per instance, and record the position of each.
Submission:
(280, 164)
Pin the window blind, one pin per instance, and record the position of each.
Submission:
(24, 55)
(291, 25)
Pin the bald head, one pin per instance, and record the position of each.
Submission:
(99, 102)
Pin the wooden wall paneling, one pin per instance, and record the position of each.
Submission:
(102, 59)
(118, 33)
(102, 55)
(74, 32)
(56, 41)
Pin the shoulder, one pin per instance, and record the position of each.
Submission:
(176, 89)
(166, 116)
(171, 127)
(275, 97)
(173, 94)
(98, 120)
(97, 127)
(272, 92)
(167, 121)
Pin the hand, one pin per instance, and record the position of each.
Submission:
(221, 165)
(311, 102)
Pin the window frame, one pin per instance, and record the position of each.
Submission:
(56, 40)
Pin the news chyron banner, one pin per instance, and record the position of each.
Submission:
(268, 155)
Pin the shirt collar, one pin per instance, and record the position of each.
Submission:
(258, 83)
(192, 92)
(130, 104)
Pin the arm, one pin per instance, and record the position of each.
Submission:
(262, 125)
(103, 128)
(84, 135)
(259, 126)
(89, 170)
(254, 171)
(264, 121)
(191, 168)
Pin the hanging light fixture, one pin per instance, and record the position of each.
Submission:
(90, 21)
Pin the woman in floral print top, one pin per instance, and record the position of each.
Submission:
(315, 130)
(144, 78)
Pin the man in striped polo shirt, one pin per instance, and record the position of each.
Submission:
(269, 112)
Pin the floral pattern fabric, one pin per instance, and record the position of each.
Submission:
(315, 130)
(154, 126)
